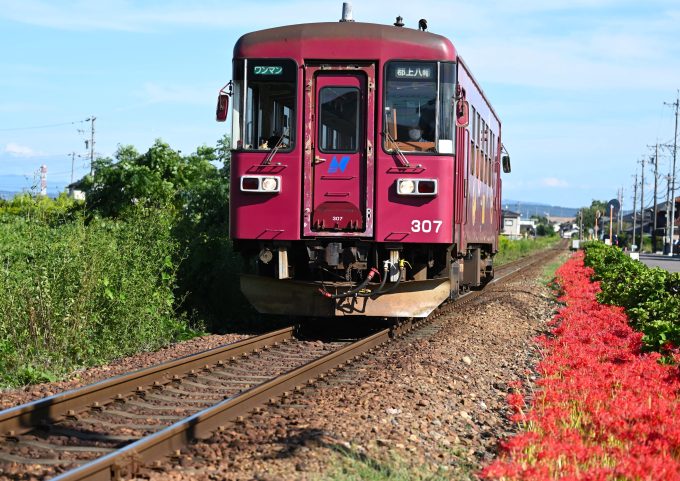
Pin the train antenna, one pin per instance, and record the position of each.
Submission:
(346, 12)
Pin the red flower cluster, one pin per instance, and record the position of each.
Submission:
(605, 410)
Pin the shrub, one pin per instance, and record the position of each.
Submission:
(651, 296)
(78, 294)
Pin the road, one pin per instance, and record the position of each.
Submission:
(671, 264)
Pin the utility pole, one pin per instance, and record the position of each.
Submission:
(642, 203)
(73, 161)
(656, 182)
(91, 142)
(673, 173)
(668, 206)
(620, 211)
(635, 210)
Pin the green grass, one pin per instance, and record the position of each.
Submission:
(548, 274)
(77, 293)
(349, 465)
(511, 250)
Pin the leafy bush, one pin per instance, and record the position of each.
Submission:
(196, 192)
(42, 208)
(651, 296)
(78, 294)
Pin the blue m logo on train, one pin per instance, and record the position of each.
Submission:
(336, 166)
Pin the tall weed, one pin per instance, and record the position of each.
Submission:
(77, 294)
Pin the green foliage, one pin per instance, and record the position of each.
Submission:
(348, 465)
(543, 227)
(196, 193)
(80, 293)
(45, 209)
(511, 250)
(81, 284)
(590, 213)
(651, 296)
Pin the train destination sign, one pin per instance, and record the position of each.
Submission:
(267, 70)
(414, 71)
(418, 71)
(272, 70)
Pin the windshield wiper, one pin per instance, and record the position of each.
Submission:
(400, 155)
(279, 143)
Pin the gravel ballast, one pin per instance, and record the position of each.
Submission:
(13, 397)
(433, 401)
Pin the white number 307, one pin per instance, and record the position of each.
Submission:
(426, 225)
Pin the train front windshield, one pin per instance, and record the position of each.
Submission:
(265, 117)
(413, 105)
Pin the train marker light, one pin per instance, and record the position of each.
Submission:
(261, 183)
(428, 187)
(421, 187)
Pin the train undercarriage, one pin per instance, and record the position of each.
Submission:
(355, 278)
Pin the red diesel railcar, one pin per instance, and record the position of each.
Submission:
(365, 171)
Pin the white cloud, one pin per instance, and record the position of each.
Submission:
(554, 182)
(17, 150)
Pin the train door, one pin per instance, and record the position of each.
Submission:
(339, 133)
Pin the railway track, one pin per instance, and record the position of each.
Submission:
(108, 430)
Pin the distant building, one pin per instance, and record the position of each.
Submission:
(75, 192)
(511, 224)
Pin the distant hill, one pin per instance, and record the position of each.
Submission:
(6, 194)
(527, 209)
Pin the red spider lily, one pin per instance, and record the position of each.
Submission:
(604, 409)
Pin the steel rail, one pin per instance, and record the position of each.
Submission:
(21, 419)
(126, 461)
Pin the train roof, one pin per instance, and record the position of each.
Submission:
(336, 39)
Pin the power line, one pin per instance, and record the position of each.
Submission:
(44, 126)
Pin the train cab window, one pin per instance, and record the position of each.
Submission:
(264, 104)
(410, 107)
(339, 119)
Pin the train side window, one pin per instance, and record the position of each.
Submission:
(339, 119)
(482, 167)
(473, 140)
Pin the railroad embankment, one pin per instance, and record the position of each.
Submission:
(605, 405)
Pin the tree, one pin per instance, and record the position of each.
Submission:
(195, 189)
(161, 177)
(590, 213)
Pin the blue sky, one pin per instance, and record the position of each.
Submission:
(579, 85)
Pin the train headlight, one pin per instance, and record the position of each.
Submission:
(270, 184)
(261, 183)
(405, 186)
(420, 187)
